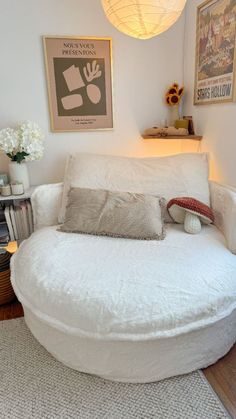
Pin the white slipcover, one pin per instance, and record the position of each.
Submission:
(46, 202)
(118, 290)
(179, 175)
(223, 202)
(130, 310)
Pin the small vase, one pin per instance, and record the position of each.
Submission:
(174, 115)
(19, 173)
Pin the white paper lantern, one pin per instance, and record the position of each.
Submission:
(143, 19)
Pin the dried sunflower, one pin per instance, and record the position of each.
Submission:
(174, 94)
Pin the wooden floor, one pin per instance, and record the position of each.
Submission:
(11, 311)
(222, 375)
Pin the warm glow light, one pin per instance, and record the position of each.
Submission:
(11, 247)
(143, 19)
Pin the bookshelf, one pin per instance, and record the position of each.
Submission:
(16, 225)
(16, 217)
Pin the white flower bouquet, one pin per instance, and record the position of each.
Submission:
(25, 143)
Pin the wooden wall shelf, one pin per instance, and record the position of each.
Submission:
(173, 137)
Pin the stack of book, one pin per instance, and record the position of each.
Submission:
(18, 220)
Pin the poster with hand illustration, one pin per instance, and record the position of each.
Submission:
(79, 78)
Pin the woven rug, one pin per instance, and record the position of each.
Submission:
(34, 385)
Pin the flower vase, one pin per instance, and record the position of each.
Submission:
(174, 115)
(19, 173)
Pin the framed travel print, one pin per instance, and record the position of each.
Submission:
(215, 52)
(79, 80)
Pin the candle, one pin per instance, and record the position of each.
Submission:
(6, 190)
(17, 188)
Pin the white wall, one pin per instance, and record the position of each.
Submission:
(142, 71)
(216, 122)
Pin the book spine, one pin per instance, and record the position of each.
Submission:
(9, 224)
(30, 217)
(19, 223)
(24, 219)
(13, 221)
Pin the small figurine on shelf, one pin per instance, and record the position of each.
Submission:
(173, 98)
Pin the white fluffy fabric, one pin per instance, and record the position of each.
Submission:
(168, 177)
(223, 202)
(129, 310)
(126, 289)
(46, 203)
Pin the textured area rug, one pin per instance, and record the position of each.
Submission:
(34, 385)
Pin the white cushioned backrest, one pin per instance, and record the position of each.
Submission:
(46, 204)
(169, 177)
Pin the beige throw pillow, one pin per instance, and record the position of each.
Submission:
(116, 214)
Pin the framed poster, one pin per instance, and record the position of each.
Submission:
(215, 52)
(79, 80)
